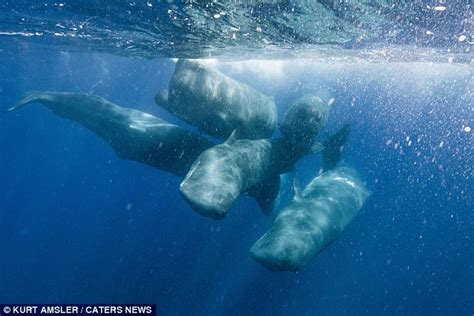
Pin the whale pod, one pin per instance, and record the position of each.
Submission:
(217, 104)
(314, 219)
(134, 135)
(224, 172)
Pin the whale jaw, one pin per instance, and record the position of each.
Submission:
(281, 260)
(207, 203)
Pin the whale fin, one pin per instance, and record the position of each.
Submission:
(296, 189)
(333, 147)
(266, 193)
(285, 194)
(232, 138)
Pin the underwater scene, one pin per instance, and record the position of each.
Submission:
(238, 157)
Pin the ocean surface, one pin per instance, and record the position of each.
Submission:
(80, 225)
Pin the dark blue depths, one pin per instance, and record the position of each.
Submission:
(79, 225)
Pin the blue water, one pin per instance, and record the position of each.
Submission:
(396, 29)
(79, 225)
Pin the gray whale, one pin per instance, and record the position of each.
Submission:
(134, 135)
(217, 104)
(314, 219)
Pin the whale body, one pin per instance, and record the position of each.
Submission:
(224, 172)
(217, 104)
(134, 135)
(314, 219)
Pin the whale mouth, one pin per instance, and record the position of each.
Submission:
(201, 205)
(274, 261)
(278, 254)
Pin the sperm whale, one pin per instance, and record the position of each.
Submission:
(224, 172)
(134, 135)
(314, 219)
(217, 104)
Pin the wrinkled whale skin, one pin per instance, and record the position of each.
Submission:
(313, 220)
(217, 104)
(223, 172)
(134, 135)
(305, 119)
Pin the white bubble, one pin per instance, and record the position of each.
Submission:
(467, 129)
(462, 38)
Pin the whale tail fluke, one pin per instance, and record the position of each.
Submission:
(333, 147)
(30, 97)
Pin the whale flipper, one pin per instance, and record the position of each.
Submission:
(333, 147)
(232, 138)
(266, 193)
(134, 135)
(296, 189)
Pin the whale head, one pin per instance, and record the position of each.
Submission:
(305, 119)
(213, 183)
(287, 246)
